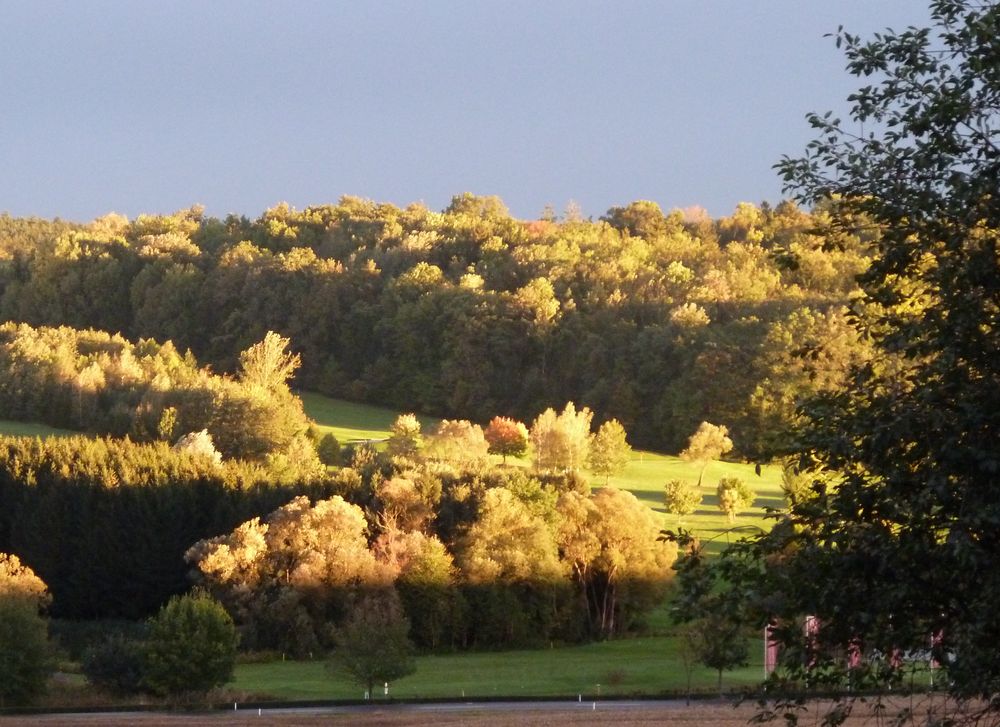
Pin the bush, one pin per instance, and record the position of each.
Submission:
(681, 498)
(116, 665)
(191, 646)
(25, 654)
(734, 495)
(328, 450)
(76, 638)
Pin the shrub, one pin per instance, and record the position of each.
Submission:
(25, 654)
(191, 646)
(328, 449)
(117, 665)
(734, 495)
(681, 498)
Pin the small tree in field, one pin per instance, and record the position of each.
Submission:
(372, 645)
(609, 451)
(709, 442)
(191, 646)
(717, 643)
(506, 437)
(681, 498)
(734, 495)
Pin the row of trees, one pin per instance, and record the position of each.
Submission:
(531, 566)
(732, 495)
(658, 321)
(107, 523)
(559, 442)
(93, 381)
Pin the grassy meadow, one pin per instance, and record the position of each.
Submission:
(31, 429)
(351, 422)
(649, 666)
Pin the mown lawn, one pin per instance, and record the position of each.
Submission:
(350, 421)
(623, 667)
(648, 472)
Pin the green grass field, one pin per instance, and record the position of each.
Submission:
(648, 472)
(31, 429)
(349, 421)
(624, 667)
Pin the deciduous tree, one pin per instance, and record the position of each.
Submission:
(506, 437)
(561, 441)
(267, 366)
(460, 443)
(734, 495)
(191, 646)
(718, 643)
(19, 581)
(899, 550)
(372, 646)
(285, 578)
(609, 450)
(405, 439)
(609, 540)
(25, 653)
(710, 441)
(681, 497)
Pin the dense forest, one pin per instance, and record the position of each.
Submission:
(476, 556)
(658, 320)
(178, 339)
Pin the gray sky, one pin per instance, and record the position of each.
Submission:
(136, 106)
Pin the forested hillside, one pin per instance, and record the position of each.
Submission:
(96, 382)
(661, 321)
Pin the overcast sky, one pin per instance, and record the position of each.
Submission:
(136, 106)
